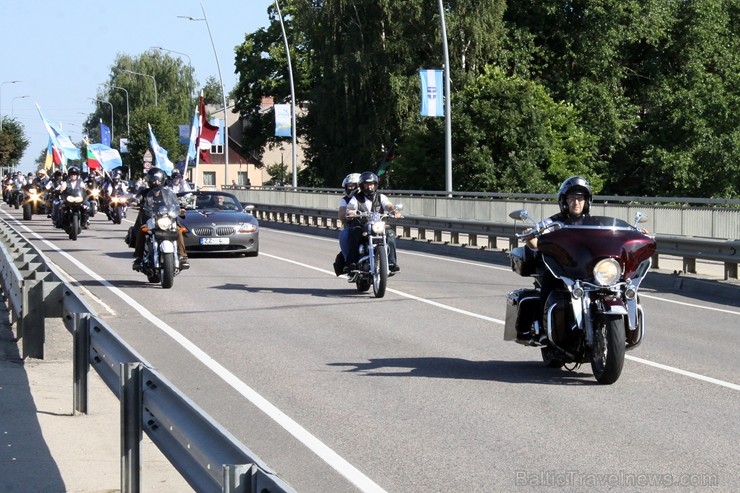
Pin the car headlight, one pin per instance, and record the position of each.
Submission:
(607, 272)
(378, 227)
(246, 228)
(164, 222)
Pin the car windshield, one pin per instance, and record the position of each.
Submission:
(215, 201)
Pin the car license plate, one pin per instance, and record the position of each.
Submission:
(214, 241)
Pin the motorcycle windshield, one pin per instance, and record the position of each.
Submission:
(574, 250)
(161, 200)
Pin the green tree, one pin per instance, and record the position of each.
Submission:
(165, 130)
(13, 142)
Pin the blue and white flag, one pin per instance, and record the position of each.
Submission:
(59, 140)
(432, 93)
(161, 158)
(282, 120)
(192, 138)
(104, 134)
(108, 158)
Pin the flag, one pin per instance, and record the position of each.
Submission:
(432, 94)
(104, 134)
(92, 162)
(161, 157)
(59, 140)
(104, 156)
(49, 162)
(193, 137)
(206, 133)
(282, 120)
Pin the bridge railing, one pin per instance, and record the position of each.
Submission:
(489, 235)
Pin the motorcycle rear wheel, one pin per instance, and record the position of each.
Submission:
(380, 276)
(550, 360)
(607, 354)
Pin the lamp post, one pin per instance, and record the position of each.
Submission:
(145, 75)
(292, 97)
(111, 115)
(12, 112)
(1, 97)
(191, 87)
(223, 92)
(448, 116)
(128, 128)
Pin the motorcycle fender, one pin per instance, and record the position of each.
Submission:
(167, 246)
(612, 306)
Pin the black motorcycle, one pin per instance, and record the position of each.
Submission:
(34, 201)
(74, 212)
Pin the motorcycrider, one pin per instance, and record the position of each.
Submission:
(593, 313)
(372, 266)
(73, 214)
(160, 263)
(117, 206)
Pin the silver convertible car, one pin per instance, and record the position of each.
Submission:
(216, 222)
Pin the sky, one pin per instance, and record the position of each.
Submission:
(62, 51)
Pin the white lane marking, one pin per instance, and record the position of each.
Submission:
(685, 373)
(338, 463)
(692, 305)
(501, 322)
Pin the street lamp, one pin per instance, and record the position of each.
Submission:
(223, 92)
(448, 115)
(292, 96)
(128, 128)
(191, 88)
(145, 75)
(12, 112)
(111, 116)
(1, 97)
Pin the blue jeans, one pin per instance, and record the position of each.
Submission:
(344, 242)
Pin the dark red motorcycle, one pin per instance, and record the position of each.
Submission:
(592, 314)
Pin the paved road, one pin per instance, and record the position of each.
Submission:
(417, 391)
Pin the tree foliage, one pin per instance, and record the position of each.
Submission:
(13, 142)
(638, 95)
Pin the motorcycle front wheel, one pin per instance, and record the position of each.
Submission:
(168, 270)
(74, 227)
(27, 212)
(380, 276)
(116, 216)
(607, 354)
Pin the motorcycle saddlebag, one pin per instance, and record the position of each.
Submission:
(523, 261)
(339, 264)
(522, 307)
(130, 238)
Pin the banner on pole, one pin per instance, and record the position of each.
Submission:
(432, 93)
(282, 120)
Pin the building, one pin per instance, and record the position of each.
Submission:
(243, 167)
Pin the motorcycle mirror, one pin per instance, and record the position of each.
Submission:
(640, 218)
(399, 207)
(519, 215)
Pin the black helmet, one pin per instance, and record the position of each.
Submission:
(350, 179)
(57, 174)
(575, 185)
(368, 177)
(115, 176)
(155, 177)
(73, 170)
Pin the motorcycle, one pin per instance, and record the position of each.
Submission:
(93, 198)
(372, 266)
(73, 213)
(117, 206)
(34, 201)
(594, 314)
(160, 263)
(15, 194)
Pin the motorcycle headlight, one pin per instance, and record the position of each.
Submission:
(164, 222)
(74, 199)
(378, 227)
(607, 272)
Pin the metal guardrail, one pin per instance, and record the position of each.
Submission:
(435, 229)
(208, 457)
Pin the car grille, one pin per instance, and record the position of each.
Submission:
(218, 231)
